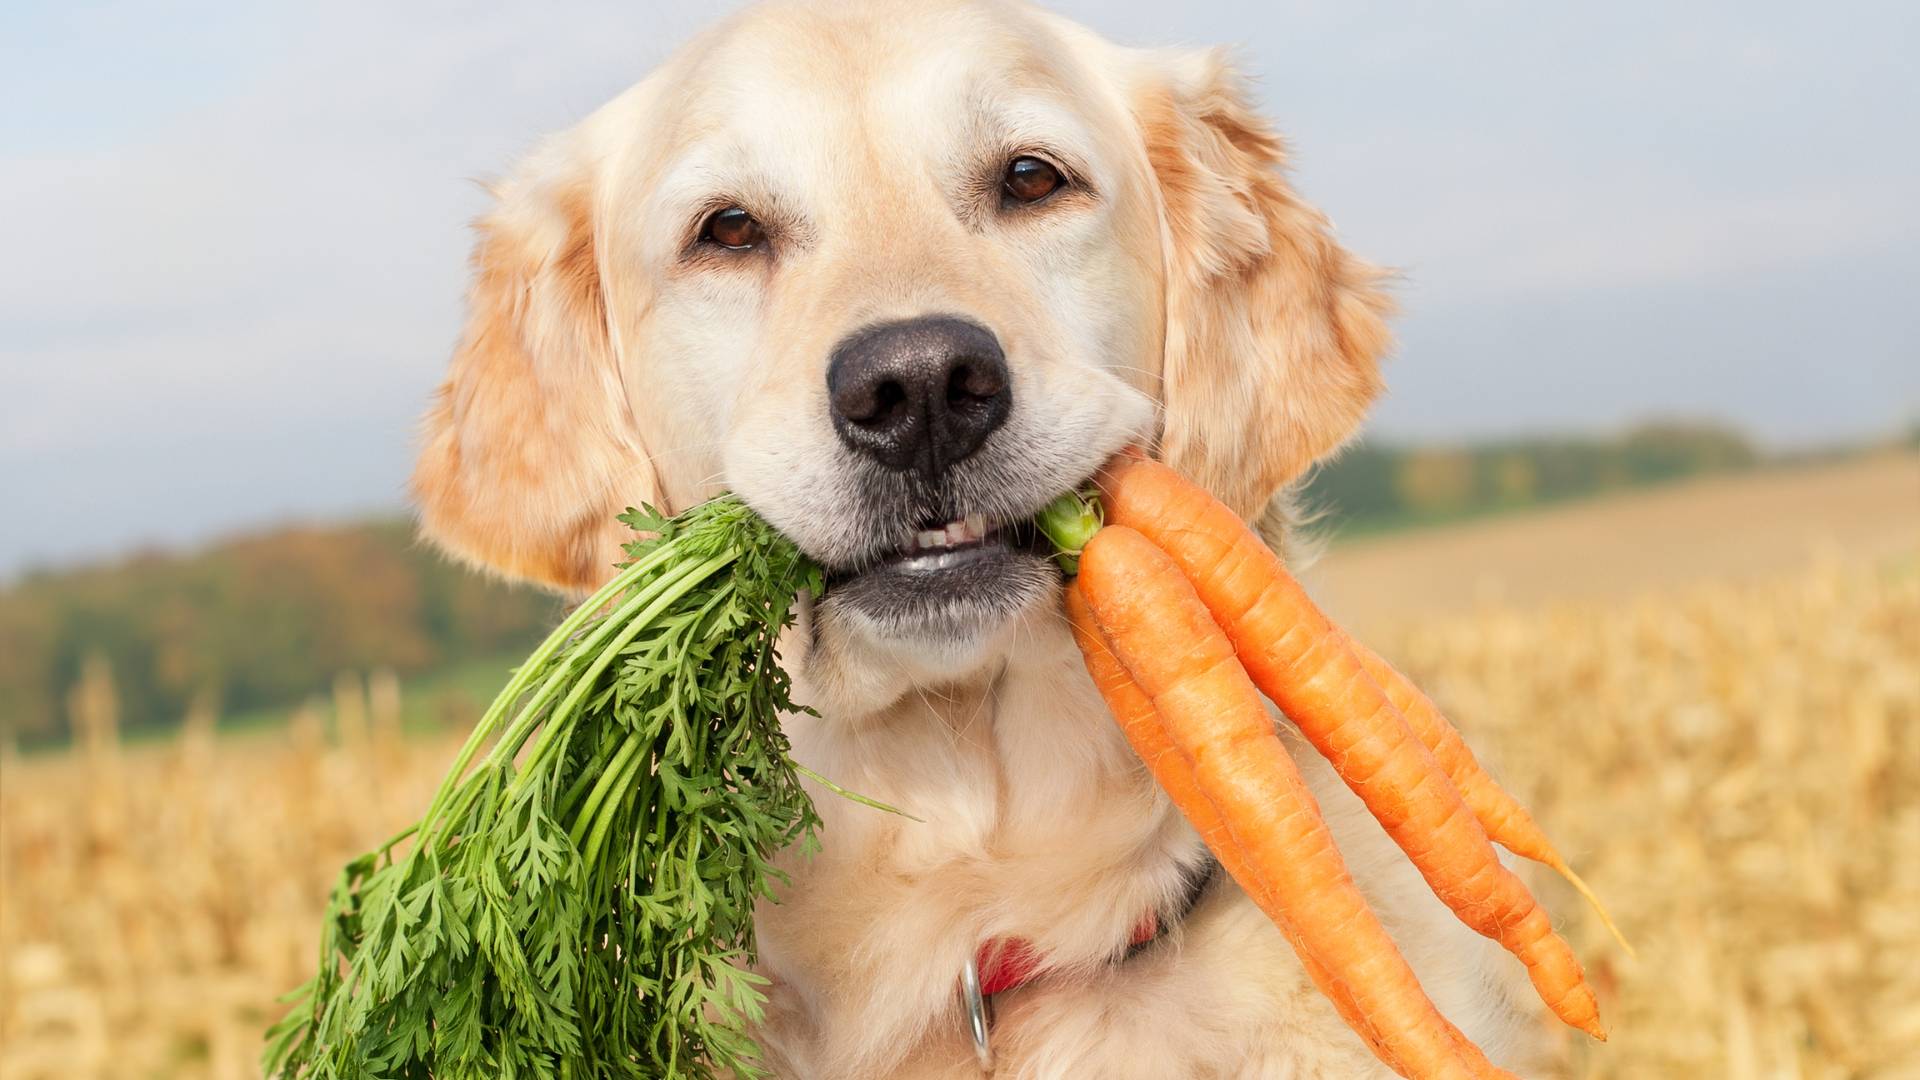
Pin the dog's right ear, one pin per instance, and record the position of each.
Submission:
(530, 446)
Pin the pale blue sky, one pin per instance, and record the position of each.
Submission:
(232, 236)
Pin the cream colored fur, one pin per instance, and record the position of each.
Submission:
(1188, 299)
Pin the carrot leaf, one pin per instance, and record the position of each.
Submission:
(577, 900)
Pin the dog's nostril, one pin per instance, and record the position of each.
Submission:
(869, 405)
(887, 402)
(970, 384)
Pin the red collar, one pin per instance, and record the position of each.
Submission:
(1006, 963)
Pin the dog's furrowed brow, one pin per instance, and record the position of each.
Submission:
(693, 188)
(1004, 125)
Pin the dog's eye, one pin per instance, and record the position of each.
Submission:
(1030, 179)
(733, 229)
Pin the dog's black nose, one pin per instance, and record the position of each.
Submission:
(919, 394)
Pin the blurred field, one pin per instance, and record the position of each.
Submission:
(155, 898)
(1736, 768)
(1734, 764)
(1730, 527)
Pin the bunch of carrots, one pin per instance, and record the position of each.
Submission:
(1182, 612)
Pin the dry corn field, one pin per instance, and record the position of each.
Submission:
(1736, 768)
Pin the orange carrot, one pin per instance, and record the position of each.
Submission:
(1140, 722)
(1507, 822)
(1305, 665)
(1247, 792)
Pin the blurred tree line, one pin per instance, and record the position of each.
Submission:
(260, 621)
(1379, 486)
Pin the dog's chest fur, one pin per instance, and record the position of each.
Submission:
(1039, 823)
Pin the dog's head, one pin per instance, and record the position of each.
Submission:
(899, 274)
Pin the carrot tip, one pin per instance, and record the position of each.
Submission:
(1593, 900)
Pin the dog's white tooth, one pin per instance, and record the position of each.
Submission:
(976, 526)
(957, 532)
(931, 538)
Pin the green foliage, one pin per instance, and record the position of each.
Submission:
(1377, 486)
(261, 622)
(577, 900)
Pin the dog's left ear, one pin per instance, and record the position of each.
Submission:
(1274, 331)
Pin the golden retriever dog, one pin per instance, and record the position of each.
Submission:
(899, 272)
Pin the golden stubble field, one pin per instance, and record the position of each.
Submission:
(1731, 756)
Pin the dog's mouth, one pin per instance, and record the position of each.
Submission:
(941, 546)
(949, 577)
